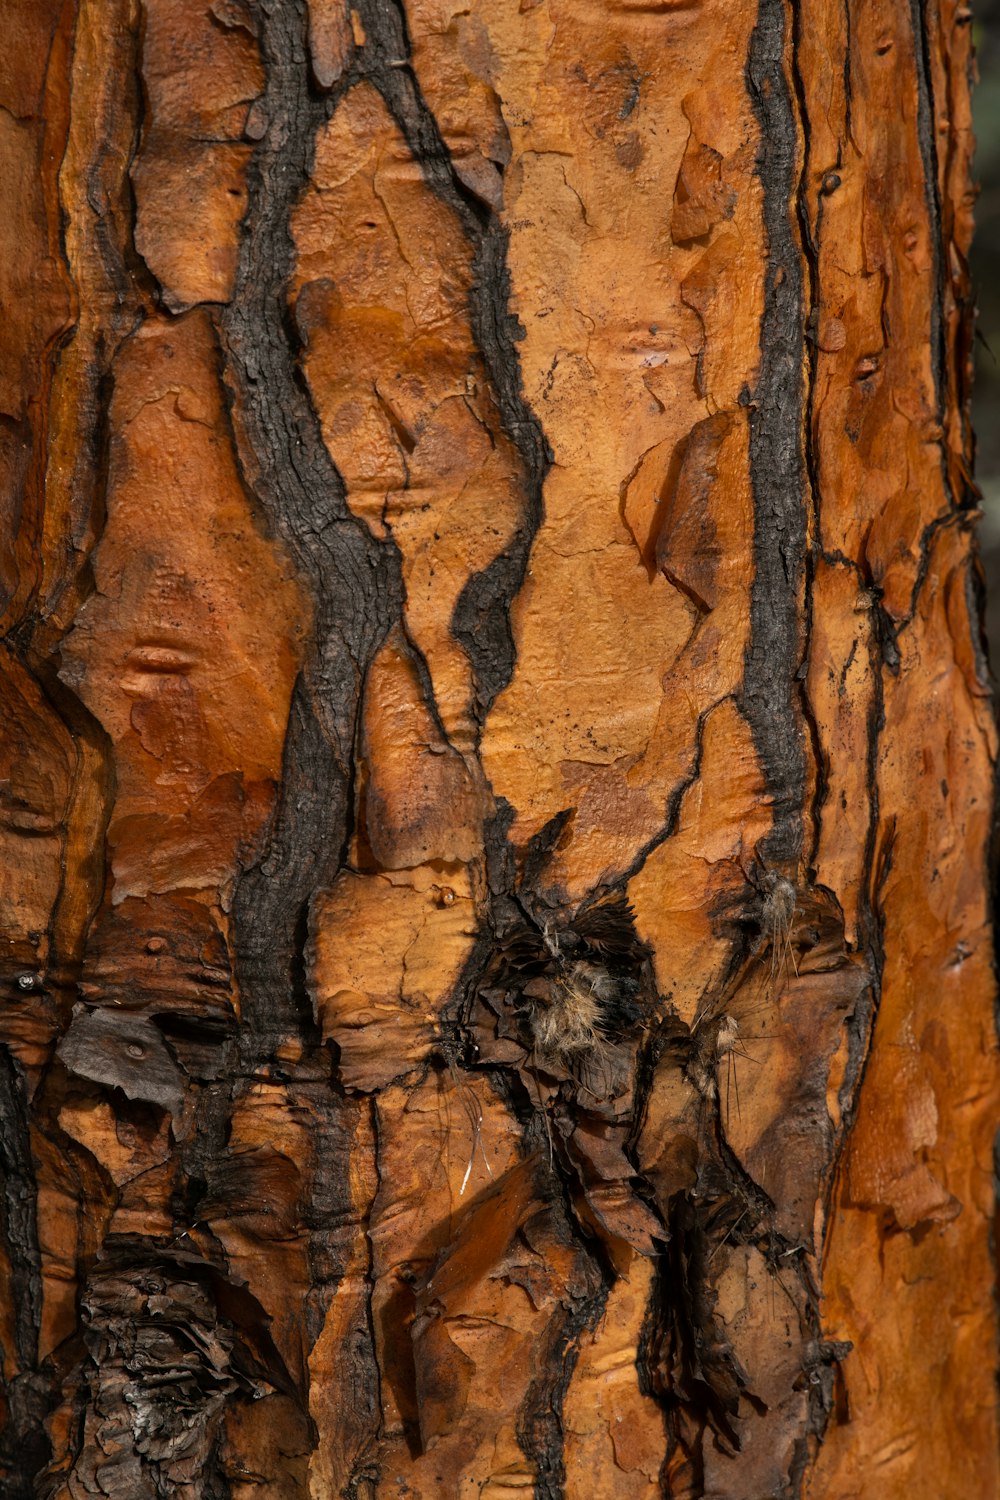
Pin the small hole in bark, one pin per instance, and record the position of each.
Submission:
(135, 1049)
(866, 367)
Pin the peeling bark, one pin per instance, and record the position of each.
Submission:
(497, 754)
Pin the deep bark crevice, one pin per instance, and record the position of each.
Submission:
(777, 472)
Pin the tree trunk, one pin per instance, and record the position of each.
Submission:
(497, 754)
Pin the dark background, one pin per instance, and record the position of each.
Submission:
(986, 282)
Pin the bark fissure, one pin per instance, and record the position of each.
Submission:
(481, 618)
(811, 232)
(929, 160)
(24, 1446)
(355, 580)
(774, 652)
(540, 1424)
(678, 792)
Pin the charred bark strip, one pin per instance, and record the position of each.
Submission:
(172, 1349)
(811, 240)
(481, 622)
(540, 1428)
(24, 1446)
(357, 595)
(355, 580)
(777, 472)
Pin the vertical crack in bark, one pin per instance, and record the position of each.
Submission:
(355, 580)
(481, 621)
(776, 464)
(861, 1023)
(368, 1376)
(932, 198)
(676, 795)
(784, 477)
(811, 240)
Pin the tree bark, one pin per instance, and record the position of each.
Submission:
(497, 754)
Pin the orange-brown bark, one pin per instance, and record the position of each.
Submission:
(497, 755)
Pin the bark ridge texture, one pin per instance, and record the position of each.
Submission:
(496, 754)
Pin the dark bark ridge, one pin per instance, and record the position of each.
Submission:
(777, 470)
(355, 580)
(481, 621)
(23, 1447)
